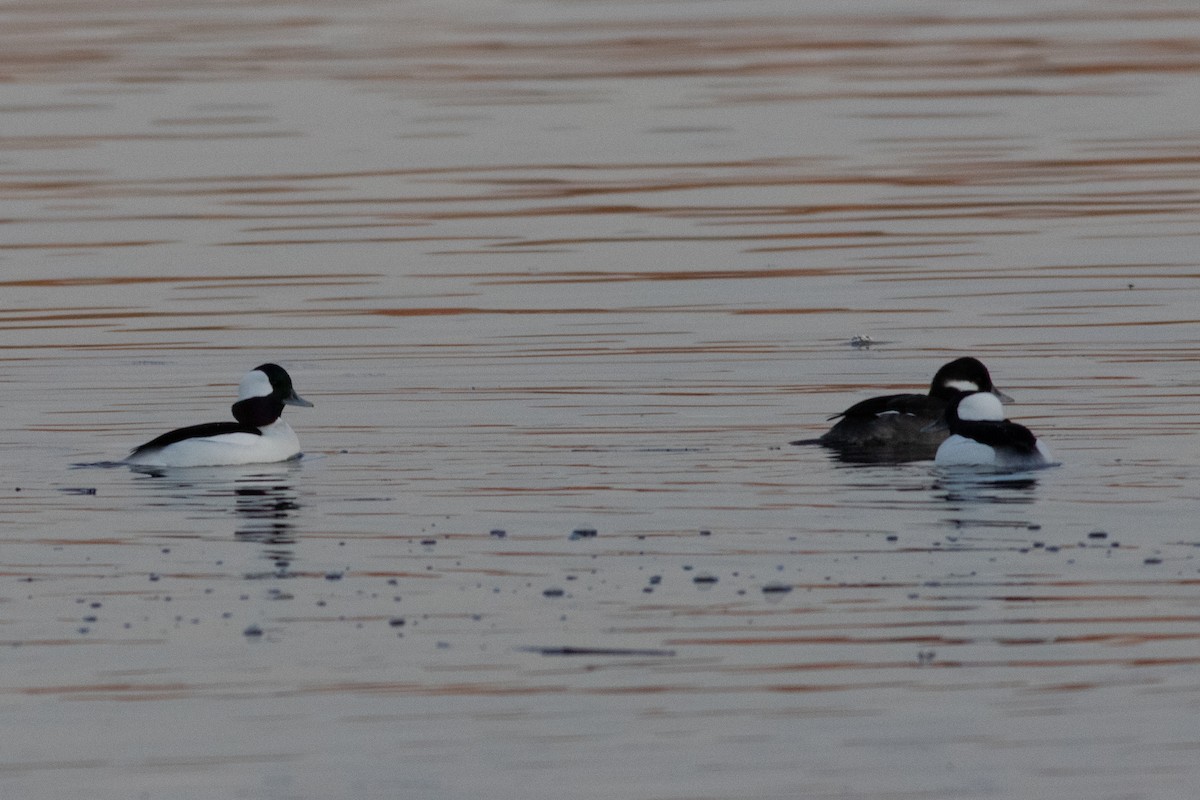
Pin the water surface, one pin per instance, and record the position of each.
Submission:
(551, 268)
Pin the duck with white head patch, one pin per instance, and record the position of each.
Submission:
(980, 436)
(258, 436)
(896, 427)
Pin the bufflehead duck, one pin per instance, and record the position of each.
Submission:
(896, 427)
(980, 436)
(258, 436)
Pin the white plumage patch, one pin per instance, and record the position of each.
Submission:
(961, 451)
(962, 385)
(254, 384)
(981, 407)
(277, 442)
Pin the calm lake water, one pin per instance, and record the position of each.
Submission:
(548, 268)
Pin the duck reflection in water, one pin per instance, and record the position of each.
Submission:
(265, 510)
(265, 505)
(986, 489)
(987, 505)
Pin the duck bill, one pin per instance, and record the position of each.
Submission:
(296, 400)
(1003, 397)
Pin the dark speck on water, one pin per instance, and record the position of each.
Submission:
(583, 533)
(600, 651)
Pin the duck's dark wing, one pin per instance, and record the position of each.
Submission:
(195, 432)
(1004, 434)
(919, 405)
(893, 429)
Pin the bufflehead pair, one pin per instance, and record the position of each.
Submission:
(980, 436)
(899, 427)
(258, 436)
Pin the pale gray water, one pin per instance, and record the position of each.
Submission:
(547, 266)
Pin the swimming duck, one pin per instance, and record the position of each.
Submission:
(980, 436)
(257, 436)
(896, 427)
